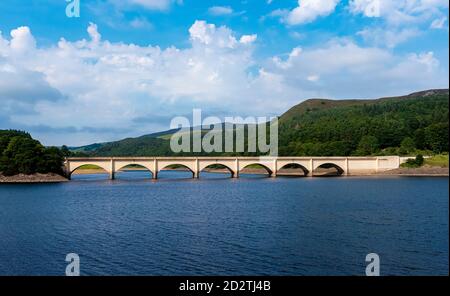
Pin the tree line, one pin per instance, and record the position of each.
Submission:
(21, 154)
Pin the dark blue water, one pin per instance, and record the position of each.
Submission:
(222, 226)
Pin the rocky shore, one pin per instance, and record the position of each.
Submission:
(421, 171)
(35, 178)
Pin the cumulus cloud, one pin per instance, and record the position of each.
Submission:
(208, 34)
(309, 10)
(343, 68)
(22, 41)
(92, 85)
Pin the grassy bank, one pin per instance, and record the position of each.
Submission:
(440, 160)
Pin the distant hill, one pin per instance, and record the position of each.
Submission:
(321, 104)
(393, 125)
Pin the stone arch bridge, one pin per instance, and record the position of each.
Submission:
(344, 165)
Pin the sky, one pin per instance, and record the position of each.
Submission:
(125, 68)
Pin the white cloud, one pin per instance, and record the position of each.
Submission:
(209, 34)
(344, 69)
(389, 38)
(370, 8)
(93, 33)
(247, 39)
(401, 20)
(309, 10)
(89, 86)
(220, 10)
(313, 78)
(400, 11)
(439, 23)
(22, 41)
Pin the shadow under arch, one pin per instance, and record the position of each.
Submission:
(133, 171)
(181, 170)
(256, 169)
(217, 168)
(89, 172)
(293, 170)
(328, 170)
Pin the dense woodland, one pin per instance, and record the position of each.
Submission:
(21, 154)
(383, 127)
(410, 125)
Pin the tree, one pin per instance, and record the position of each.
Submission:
(407, 146)
(368, 145)
(436, 136)
(21, 154)
(65, 151)
(419, 138)
(419, 160)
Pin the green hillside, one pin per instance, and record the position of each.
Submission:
(399, 125)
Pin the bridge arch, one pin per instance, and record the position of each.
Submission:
(328, 169)
(221, 165)
(269, 171)
(105, 168)
(141, 166)
(293, 165)
(170, 166)
(122, 166)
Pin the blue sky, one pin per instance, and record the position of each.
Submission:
(125, 68)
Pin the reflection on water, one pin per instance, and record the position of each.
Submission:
(254, 225)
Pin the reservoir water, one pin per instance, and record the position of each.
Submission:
(222, 226)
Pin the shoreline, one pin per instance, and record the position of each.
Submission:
(32, 179)
(425, 171)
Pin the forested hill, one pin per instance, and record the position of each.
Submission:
(397, 125)
(416, 123)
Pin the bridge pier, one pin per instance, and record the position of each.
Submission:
(113, 169)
